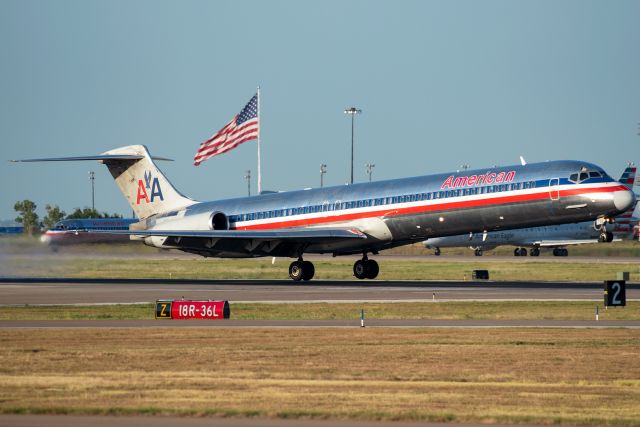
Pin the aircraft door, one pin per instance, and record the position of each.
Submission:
(554, 191)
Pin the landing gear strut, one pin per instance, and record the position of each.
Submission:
(366, 268)
(478, 252)
(301, 270)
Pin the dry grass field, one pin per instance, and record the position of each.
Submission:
(582, 377)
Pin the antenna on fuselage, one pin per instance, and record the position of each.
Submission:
(522, 161)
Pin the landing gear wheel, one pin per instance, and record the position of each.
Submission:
(436, 252)
(534, 252)
(557, 252)
(296, 270)
(565, 252)
(478, 252)
(360, 269)
(516, 252)
(523, 252)
(373, 269)
(308, 270)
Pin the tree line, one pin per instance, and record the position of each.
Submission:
(29, 219)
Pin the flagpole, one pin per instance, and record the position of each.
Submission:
(259, 126)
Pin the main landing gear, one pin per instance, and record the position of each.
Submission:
(366, 268)
(301, 270)
(560, 252)
(520, 252)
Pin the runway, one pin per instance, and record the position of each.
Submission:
(34, 291)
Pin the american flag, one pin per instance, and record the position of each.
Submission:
(243, 127)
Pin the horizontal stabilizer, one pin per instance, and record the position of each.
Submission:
(98, 157)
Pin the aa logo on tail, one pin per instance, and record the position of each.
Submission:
(152, 185)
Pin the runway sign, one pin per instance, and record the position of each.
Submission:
(480, 275)
(615, 293)
(179, 310)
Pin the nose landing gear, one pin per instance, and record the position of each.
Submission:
(605, 237)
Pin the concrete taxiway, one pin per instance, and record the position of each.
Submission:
(21, 291)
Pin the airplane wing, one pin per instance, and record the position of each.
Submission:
(293, 235)
(248, 243)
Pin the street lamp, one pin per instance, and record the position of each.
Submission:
(370, 167)
(323, 170)
(92, 178)
(352, 111)
(247, 176)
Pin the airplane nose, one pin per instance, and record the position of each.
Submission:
(624, 200)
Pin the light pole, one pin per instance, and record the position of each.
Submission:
(92, 178)
(323, 170)
(352, 111)
(247, 176)
(370, 167)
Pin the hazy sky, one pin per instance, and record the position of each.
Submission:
(440, 84)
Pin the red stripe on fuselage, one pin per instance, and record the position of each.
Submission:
(462, 204)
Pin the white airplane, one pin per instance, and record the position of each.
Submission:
(360, 218)
(76, 231)
(555, 237)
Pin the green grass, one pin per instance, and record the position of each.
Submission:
(517, 310)
(326, 269)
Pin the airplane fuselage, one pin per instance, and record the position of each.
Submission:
(396, 212)
(528, 237)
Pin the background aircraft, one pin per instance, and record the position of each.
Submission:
(74, 231)
(555, 237)
(360, 218)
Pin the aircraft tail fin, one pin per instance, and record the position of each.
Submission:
(628, 176)
(141, 182)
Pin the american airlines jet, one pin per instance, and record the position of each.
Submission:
(555, 237)
(360, 218)
(76, 231)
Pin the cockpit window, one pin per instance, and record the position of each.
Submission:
(585, 174)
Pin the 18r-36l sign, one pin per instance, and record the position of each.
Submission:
(211, 310)
(615, 293)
